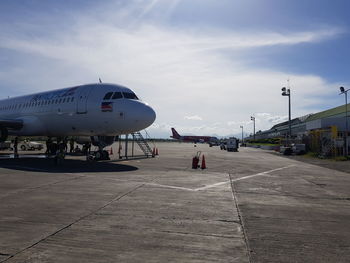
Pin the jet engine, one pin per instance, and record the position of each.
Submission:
(103, 141)
(3, 134)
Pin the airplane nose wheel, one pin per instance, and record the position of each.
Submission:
(98, 155)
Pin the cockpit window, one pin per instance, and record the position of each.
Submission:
(130, 95)
(108, 96)
(117, 95)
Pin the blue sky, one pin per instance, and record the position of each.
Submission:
(206, 66)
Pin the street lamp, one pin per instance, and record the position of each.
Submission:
(253, 119)
(345, 92)
(286, 92)
(242, 133)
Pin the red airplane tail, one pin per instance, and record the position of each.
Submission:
(175, 134)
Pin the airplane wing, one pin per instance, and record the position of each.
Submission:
(11, 123)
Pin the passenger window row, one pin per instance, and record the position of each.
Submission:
(120, 95)
(36, 103)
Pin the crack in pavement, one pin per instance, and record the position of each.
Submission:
(196, 234)
(245, 237)
(117, 198)
(30, 189)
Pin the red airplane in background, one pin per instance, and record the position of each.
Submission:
(191, 138)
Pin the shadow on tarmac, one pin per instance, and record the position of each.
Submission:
(67, 166)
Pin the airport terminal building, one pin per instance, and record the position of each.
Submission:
(323, 132)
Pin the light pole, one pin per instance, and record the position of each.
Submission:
(242, 133)
(345, 92)
(286, 92)
(253, 119)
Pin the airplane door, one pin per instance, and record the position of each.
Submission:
(82, 100)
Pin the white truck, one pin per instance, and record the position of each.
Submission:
(232, 145)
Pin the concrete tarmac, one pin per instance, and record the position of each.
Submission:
(249, 206)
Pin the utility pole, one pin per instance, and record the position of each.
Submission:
(242, 133)
(345, 92)
(286, 92)
(253, 119)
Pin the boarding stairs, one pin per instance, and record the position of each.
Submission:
(143, 144)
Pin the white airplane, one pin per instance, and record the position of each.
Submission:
(101, 111)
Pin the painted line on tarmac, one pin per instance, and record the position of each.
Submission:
(170, 186)
(263, 173)
(242, 178)
(210, 186)
(220, 183)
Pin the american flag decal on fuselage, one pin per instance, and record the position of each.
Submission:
(106, 106)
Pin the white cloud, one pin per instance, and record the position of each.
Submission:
(194, 117)
(176, 71)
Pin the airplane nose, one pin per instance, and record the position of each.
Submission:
(138, 116)
(141, 116)
(150, 115)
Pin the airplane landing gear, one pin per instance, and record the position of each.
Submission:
(52, 149)
(15, 148)
(56, 150)
(103, 155)
(61, 153)
(98, 156)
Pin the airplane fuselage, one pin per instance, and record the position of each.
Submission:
(203, 139)
(85, 110)
(191, 138)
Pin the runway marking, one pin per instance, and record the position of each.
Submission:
(211, 186)
(262, 173)
(170, 186)
(242, 178)
(220, 183)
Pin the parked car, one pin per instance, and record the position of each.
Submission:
(30, 145)
(298, 148)
(214, 142)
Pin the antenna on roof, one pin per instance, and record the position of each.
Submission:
(100, 80)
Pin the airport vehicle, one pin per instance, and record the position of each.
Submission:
(30, 145)
(101, 111)
(286, 150)
(223, 145)
(214, 142)
(298, 148)
(232, 145)
(192, 138)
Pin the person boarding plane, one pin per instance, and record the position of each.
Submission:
(100, 111)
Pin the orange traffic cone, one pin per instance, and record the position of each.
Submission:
(111, 152)
(203, 166)
(157, 151)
